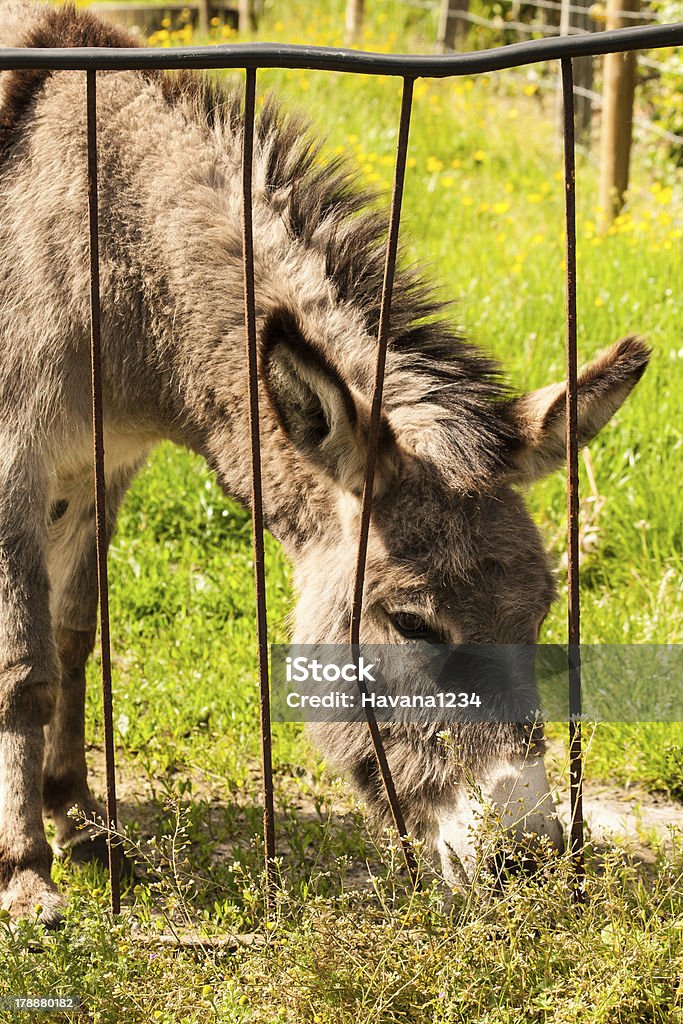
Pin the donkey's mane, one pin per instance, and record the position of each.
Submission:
(430, 365)
(448, 385)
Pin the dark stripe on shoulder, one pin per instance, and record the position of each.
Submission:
(57, 27)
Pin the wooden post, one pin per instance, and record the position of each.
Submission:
(354, 21)
(203, 17)
(452, 29)
(246, 16)
(619, 86)
(583, 66)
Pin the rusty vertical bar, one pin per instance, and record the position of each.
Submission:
(100, 491)
(573, 605)
(256, 481)
(373, 437)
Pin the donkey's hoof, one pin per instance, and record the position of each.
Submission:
(29, 896)
(52, 916)
(95, 850)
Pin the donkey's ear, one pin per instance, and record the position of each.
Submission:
(538, 418)
(325, 421)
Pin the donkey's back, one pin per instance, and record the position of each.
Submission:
(17, 17)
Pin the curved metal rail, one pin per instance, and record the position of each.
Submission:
(357, 62)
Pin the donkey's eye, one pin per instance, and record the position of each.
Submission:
(413, 627)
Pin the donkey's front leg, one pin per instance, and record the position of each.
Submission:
(65, 773)
(25, 855)
(29, 672)
(72, 563)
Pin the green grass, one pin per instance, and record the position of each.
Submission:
(483, 209)
(378, 957)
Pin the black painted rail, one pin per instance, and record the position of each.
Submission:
(409, 67)
(326, 58)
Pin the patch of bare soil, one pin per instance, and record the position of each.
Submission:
(641, 823)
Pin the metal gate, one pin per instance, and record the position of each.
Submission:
(252, 57)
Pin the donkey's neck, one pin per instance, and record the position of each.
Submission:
(191, 268)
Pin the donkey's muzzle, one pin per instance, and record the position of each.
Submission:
(506, 825)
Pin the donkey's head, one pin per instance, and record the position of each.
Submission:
(453, 556)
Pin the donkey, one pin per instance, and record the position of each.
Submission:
(453, 555)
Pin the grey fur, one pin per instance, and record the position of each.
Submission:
(450, 534)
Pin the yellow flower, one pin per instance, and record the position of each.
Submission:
(467, 201)
(535, 197)
(434, 165)
(501, 208)
(456, 163)
(599, 301)
(479, 156)
(448, 181)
